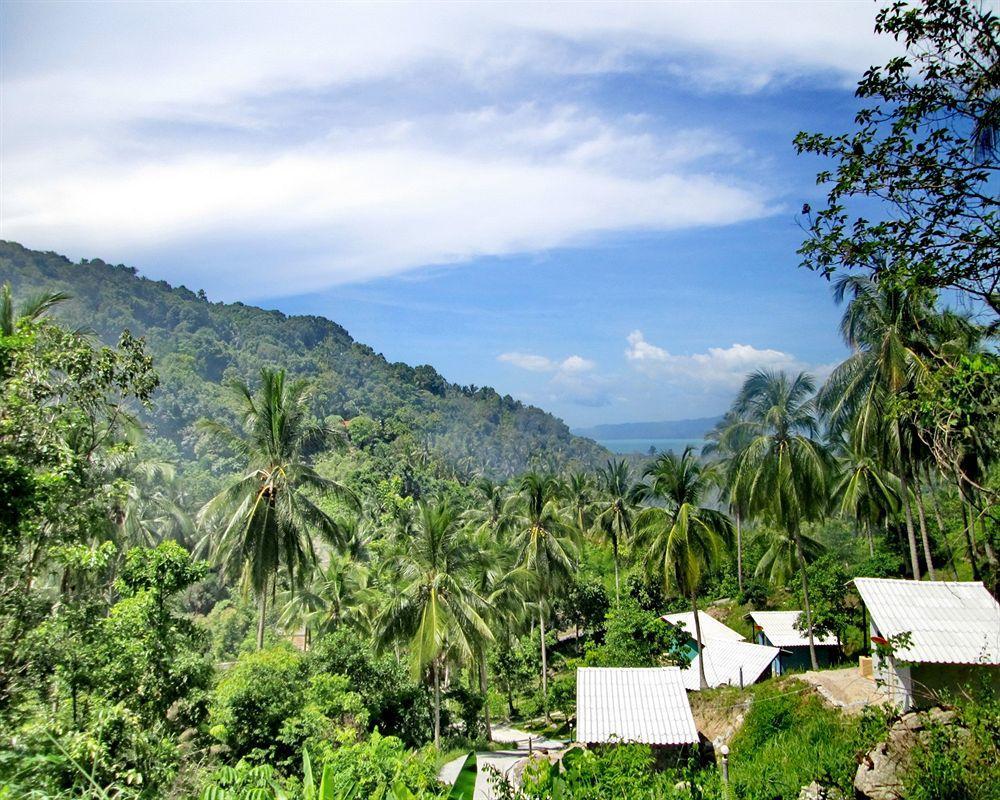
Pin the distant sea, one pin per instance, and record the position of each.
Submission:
(623, 446)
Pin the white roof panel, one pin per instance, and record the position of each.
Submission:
(711, 628)
(949, 622)
(725, 659)
(644, 705)
(779, 628)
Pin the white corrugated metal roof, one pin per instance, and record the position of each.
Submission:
(724, 660)
(950, 622)
(779, 628)
(711, 628)
(644, 705)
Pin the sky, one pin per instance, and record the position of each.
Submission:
(592, 207)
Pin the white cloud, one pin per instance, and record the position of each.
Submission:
(571, 365)
(131, 129)
(571, 379)
(528, 361)
(718, 367)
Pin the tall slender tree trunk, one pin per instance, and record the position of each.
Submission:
(617, 591)
(871, 539)
(702, 682)
(739, 552)
(805, 599)
(905, 486)
(262, 613)
(484, 688)
(970, 541)
(934, 488)
(437, 702)
(545, 667)
(918, 497)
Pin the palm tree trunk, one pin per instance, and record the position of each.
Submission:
(739, 552)
(545, 667)
(905, 486)
(437, 703)
(702, 682)
(484, 688)
(918, 497)
(970, 542)
(805, 599)
(934, 488)
(262, 602)
(871, 539)
(617, 593)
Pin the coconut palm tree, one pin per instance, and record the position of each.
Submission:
(32, 308)
(496, 578)
(682, 538)
(780, 558)
(615, 509)
(265, 520)
(881, 324)
(729, 436)
(543, 540)
(578, 490)
(436, 606)
(864, 489)
(783, 471)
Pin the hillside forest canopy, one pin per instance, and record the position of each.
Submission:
(243, 556)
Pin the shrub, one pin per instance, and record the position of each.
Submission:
(635, 637)
(393, 700)
(254, 700)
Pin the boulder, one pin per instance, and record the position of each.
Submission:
(881, 770)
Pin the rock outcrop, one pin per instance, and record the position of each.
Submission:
(882, 769)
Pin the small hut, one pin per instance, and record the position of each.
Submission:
(730, 663)
(645, 705)
(777, 629)
(711, 629)
(932, 638)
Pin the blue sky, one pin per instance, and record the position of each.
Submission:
(591, 207)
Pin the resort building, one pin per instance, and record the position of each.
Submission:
(640, 705)
(729, 657)
(931, 639)
(711, 629)
(730, 662)
(777, 629)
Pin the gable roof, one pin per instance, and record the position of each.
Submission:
(724, 661)
(711, 628)
(644, 705)
(779, 628)
(949, 622)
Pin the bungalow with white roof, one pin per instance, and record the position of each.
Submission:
(643, 705)
(931, 638)
(777, 629)
(729, 658)
(730, 663)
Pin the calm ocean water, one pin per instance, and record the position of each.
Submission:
(643, 445)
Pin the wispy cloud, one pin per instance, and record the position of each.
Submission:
(222, 126)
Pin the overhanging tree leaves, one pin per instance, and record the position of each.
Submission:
(912, 195)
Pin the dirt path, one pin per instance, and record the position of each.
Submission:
(501, 760)
(846, 688)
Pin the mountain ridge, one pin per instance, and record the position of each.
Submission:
(199, 345)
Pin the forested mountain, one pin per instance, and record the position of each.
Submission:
(198, 346)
